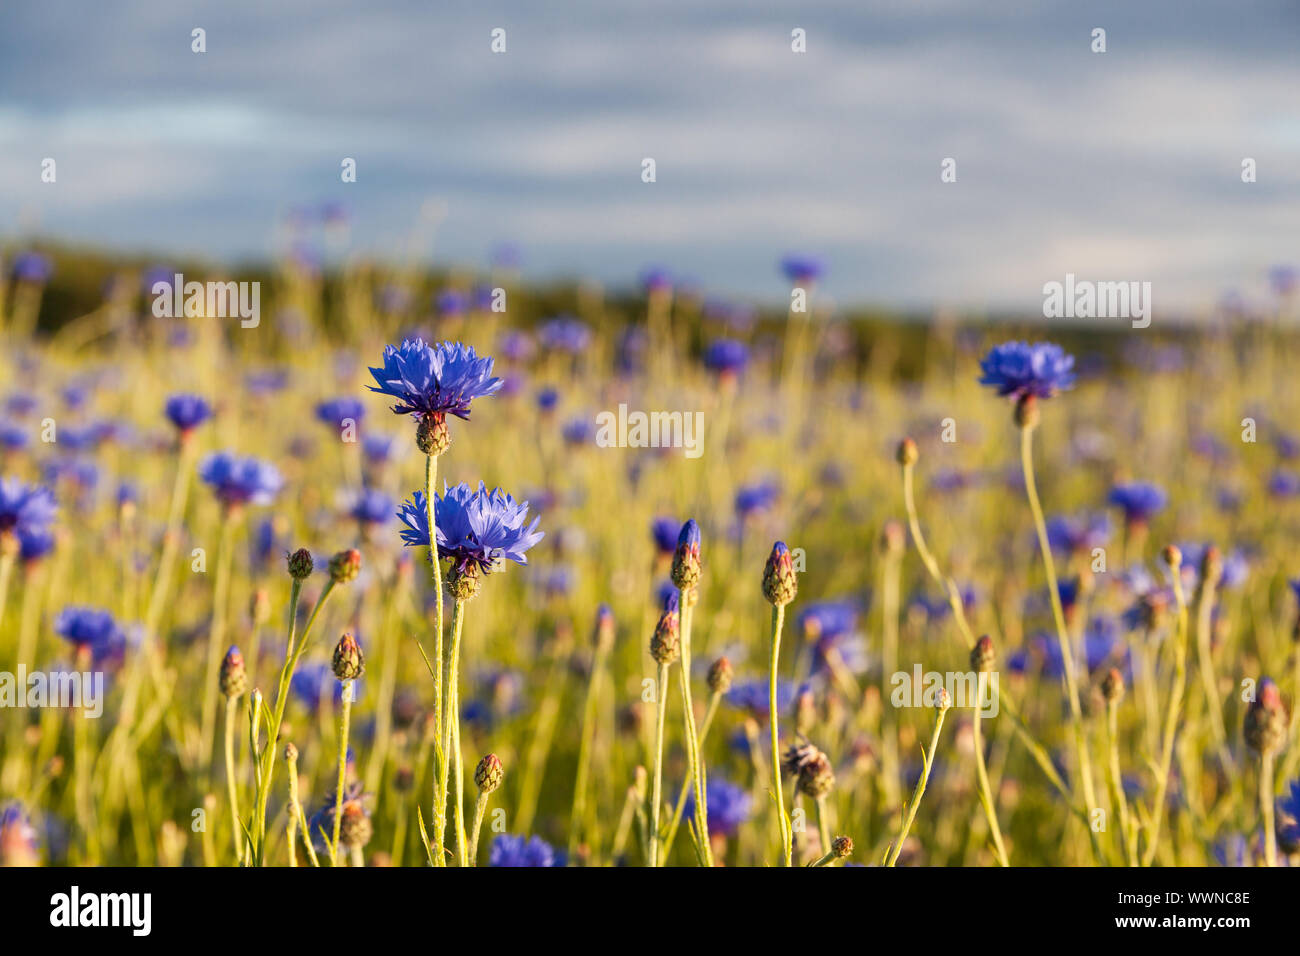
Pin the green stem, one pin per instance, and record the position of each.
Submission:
(778, 621)
(927, 761)
(1171, 721)
(982, 776)
(293, 652)
(344, 719)
(1266, 807)
(685, 616)
(216, 632)
(714, 700)
(1117, 781)
(450, 720)
(1062, 633)
(657, 779)
(823, 824)
(232, 793)
(480, 807)
(440, 760)
(577, 818)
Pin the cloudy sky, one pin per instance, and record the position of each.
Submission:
(1122, 165)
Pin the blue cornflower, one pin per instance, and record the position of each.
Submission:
(475, 527)
(187, 412)
(656, 279)
(729, 806)
(726, 356)
(32, 267)
(92, 629)
(24, 508)
(34, 544)
(664, 531)
(1019, 369)
(12, 437)
(339, 411)
(450, 302)
(578, 431)
(238, 481)
(378, 449)
(320, 825)
(372, 507)
(799, 269)
(434, 380)
(752, 499)
(312, 680)
(509, 850)
(547, 398)
(564, 333)
(1138, 500)
(1283, 483)
(1070, 534)
(828, 618)
(1290, 802)
(751, 696)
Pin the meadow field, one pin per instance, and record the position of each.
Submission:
(744, 532)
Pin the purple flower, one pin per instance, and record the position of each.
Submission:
(664, 531)
(1072, 534)
(34, 544)
(726, 356)
(18, 839)
(510, 850)
(338, 411)
(1019, 369)
(238, 481)
(450, 302)
(547, 398)
(800, 269)
(372, 507)
(565, 334)
(1138, 500)
(475, 527)
(1283, 484)
(752, 499)
(187, 412)
(828, 618)
(434, 380)
(320, 825)
(729, 806)
(656, 279)
(32, 267)
(24, 508)
(92, 629)
(752, 696)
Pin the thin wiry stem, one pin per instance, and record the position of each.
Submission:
(1062, 632)
(927, 761)
(657, 777)
(778, 621)
(1171, 721)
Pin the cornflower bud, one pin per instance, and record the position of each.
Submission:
(488, 774)
(907, 453)
(779, 582)
(686, 559)
(300, 564)
(982, 655)
(665, 645)
(345, 566)
(842, 847)
(1112, 685)
(720, 674)
(349, 662)
(234, 678)
(1265, 724)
